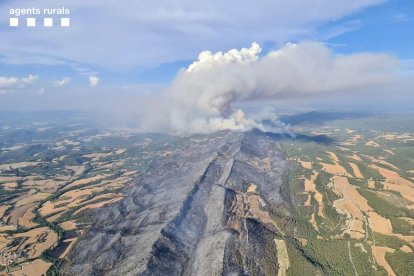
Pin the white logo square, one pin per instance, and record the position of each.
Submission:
(65, 22)
(14, 22)
(48, 22)
(31, 22)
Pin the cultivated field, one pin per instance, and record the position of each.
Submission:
(51, 182)
(356, 189)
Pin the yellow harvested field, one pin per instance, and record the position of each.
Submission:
(83, 193)
(386, 173)
(406, 137)
(389, 151)
(36, 267)
(31, 199)
(353, 205)
(409, 220)
(9, 186)
(17, 213)
(305, 164)
(356, 170)
(333, 156)
(70, 246)
(252, 188)
(343, 149)
(395, 136)
(254, 202)
(409, 239)
(27, 219)
(32, 183)
(406, 249)
(282, 257)
(347, 144)
(348, 192)
(112, 184)
(335, 169)
(355, 138)
(48, 208)
(3, 241)
(394, 182)
(388, 136)
(97, 156)
(304, 242)
(110, 165)
(347, 206)
(68, 200)
(313, 222)
(406, 191)
(60, 158)
(320, 211)
(372, 144)
(383, 162)
(352, 229)
(379, 224)
(17, 165)
(310, 187)
(98, 205)
(67, 142)
(54, 217)
(129, 173)
(321, 133)
(76, 169)
(8, 228)
(9, 179)
(308, 201)
(371, 184)
(68, 225)
(120, 151)
(86, 180)
(45, 185)
(102, 196)
(3, 209)
(379, 255)
(38, 240)
(355, 218)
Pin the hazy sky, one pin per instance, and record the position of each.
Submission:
(116, 53)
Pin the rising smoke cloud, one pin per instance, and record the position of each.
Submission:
(202, 97)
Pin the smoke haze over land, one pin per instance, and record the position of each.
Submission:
(136, 62)
(202, 98)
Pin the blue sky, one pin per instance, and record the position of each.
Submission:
(387, 27)
(140, 43)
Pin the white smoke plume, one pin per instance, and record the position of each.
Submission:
(202, 97)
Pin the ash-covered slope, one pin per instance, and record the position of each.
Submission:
(203, 211)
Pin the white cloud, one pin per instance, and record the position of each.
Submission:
(400, 17)
(93, 81)
(62, 82)
(11, 84)
(203, 97)
(146, 33)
